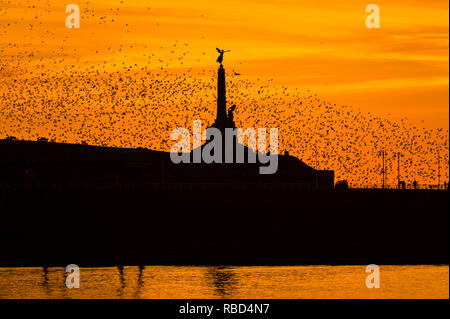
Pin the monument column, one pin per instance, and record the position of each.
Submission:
(221, 96)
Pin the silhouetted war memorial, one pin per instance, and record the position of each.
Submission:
(44, 164)
(93, 206)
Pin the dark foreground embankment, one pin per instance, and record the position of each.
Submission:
(226, 227)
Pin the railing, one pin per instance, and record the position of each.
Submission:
(406, 186)
(136, 186)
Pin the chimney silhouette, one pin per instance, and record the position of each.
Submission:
(221, 96)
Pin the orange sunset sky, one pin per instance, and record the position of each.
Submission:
(310, 47)
(401, 68)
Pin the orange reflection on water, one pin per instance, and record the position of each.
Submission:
(171, 282)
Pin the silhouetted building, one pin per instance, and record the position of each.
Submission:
(35, 164)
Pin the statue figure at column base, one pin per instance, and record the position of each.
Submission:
(228, 122)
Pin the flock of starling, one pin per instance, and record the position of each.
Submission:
(138, 103)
